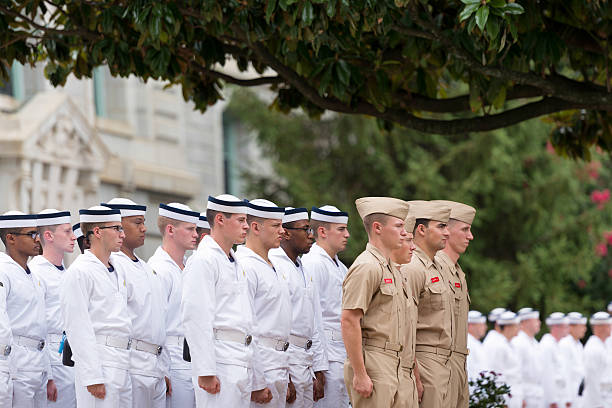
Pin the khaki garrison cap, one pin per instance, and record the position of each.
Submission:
(382, 205)
(409, 223)
(460, 212)
(429, 210)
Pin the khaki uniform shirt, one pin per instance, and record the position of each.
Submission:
(461, 306)
(375, 287)
(412, 313)
(434, 301)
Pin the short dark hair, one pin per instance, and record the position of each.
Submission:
(370, 219)
(210, 216)
(5, 231)
(420, 221)
(316, 224)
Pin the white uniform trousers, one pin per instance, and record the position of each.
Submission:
(335, 388)
(63, 377)
(534, 396)
(148, 391)
(277, 381)
(302, 379)
(235, 389)
(118, 390)
(29, 389)
(182, 390)
(6, 390)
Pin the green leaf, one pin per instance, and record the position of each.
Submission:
(475, 99)
(497, 3)
(307, 14)
(270, 9)
(470, 1)
(325, 80)
(492, 28)
(482, 16)
(468, 11)
(331, 8)
(514, 8)
(499, 100)
(343, 72)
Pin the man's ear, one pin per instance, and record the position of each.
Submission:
(421, 229)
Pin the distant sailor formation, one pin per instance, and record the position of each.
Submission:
(249, 305)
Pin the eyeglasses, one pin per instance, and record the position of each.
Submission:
(307, 230)
(117, 228)
(32, 235)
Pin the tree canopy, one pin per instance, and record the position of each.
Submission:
(542, 227)
(436, 66)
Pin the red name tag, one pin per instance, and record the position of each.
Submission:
(457, 285)
(435, 279)
(388, 280)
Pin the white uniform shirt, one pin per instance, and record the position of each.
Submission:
(573, 355)
(504, 360)
(25, 307)
(94, 303)
(527, 349)
(50, 278)
(269, 296)
(490, 342)
(306, 319)
(6, 336)
(147, 307)
(554, 373)
(598, 374)
(215, 296)
(171, 277)
(476, 359)
(328, 274)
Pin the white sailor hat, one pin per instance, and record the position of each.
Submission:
(17, 219)
(203, 222)
(265, 209)
(127, 207)
(556, 318)
(610, 307)
(99, 213)
(329, 213)
(51, 216)
(474, 316)
(507, 318)
(227, 203)
(600, 318)
(527, 313)
(494, 314)
(76, 230)
(179, 212)
(576, 318)
(295, 214)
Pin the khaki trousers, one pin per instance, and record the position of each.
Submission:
(435, 373)
(459, 396)
(393, 385)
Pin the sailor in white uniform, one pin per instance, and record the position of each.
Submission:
(147, 305)
(526, 345)
(177, 225)
(504, 360)
(573, 355)
(307, 354)
(555, 371)
(93, 299)
(598, 364)
(6, 339)
(493, 334)
(217, 312)
(329, 225)
(25, 306)
(57, 238)
(476, 359)
(203, 227)
(269, 294)
(609, 340)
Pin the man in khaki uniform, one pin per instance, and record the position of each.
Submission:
(459, 227)
(399, 257)
(435, 302)
(374, 310)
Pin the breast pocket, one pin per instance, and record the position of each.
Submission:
(434, 295)
(385, 297)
